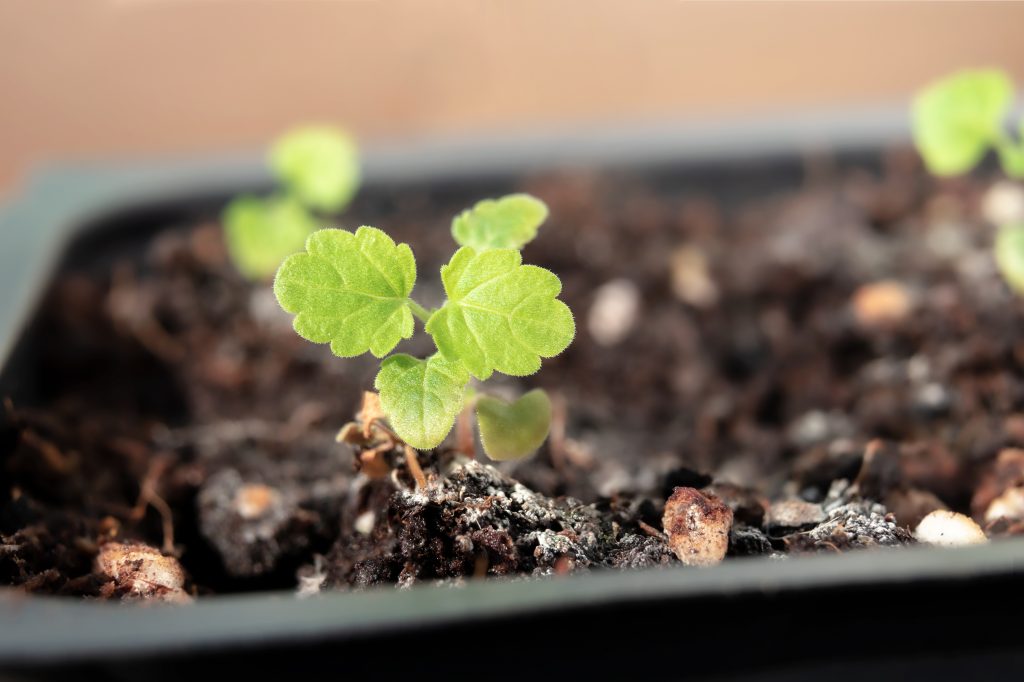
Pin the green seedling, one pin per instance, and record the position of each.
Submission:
(353, 291)
(957, 121)
(318, 165)
(507, 223)
(318, 170)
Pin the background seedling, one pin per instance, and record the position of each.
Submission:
(956, 122)
(507, 223)
(318, 168)
(353, 291)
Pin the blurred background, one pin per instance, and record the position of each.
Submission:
(103, 78)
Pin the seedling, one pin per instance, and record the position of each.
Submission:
(960, 119)
(318, 168)
(353, 291)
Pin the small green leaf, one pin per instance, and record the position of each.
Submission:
(507, 223)
(957, 119)
(260, 233)
(500, 314)
(512, 431)
(1009, 252)
(350, 290)
(319, 165)
(421, 398)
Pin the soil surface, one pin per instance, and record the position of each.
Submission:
(822, 366)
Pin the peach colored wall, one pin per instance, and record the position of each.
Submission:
(96, 77)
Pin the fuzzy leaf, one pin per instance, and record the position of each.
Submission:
(319, 165)
(1009, 252)
(350, 290)
(260, 233)
(421, 398)
(507, 223)
(513, 430)
(500, 314)
(958, 118)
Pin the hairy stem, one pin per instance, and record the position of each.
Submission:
(413, 462)
(419, 311)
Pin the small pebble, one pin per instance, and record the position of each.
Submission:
(1009, 505)
(253, 500)
(697, 526)
(1007, 471)
(817, 426)
(1003, 203)
(790, 515)
(949, 529)
(251, 525)
(614, 312)
(365, 522)
(882, 303)
(142, 572)
(691, 278)
(932, 399)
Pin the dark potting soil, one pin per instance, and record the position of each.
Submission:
(833, 362)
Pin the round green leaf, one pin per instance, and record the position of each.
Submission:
(260, 233)
(421, 398)
(507, 223)
(350, 290)
(319, 165)
(500, 314)
(1009, 251)
(513, 430)
(957, 119)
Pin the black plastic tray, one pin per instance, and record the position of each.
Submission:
(887, 614)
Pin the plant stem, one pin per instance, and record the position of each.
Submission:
(413, 462)
(464, 442)
(419, 311)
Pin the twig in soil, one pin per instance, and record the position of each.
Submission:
(58, 461)
(556, 439)
(652, 531)
(149, 497)
(565, 452)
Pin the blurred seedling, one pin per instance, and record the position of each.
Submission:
(957, 122)
(317, 168)
(353, 291)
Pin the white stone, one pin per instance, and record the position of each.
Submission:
(1009, 505)
(1003, 203)
(949, 529)
(614, 312)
